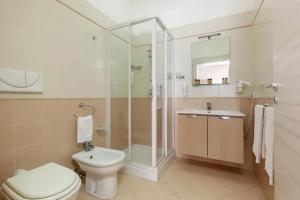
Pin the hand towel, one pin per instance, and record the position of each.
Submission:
(258, 132)
(269, 142)
(84, 129)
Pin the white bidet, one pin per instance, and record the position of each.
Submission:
(101, 166)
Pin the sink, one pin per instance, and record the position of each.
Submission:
(230, 113)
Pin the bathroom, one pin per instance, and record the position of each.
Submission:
(155, 84)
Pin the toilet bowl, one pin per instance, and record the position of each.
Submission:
(47, 182)
(101, 166)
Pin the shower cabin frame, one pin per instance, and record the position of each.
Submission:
(154, 171)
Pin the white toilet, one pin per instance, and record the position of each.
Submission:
(101, 166)
(47, 182)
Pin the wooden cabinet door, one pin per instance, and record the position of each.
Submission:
(192, 135)
(226, 139)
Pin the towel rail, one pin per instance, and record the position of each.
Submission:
(81, 105)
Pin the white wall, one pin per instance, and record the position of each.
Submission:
(173, 12)
(216, 25)
(47, 37)
(241, 67)
(119, 54)
(141, 38)
(263, 58)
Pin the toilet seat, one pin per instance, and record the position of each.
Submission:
(47, 182)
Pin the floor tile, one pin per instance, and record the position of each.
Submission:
(185, 181)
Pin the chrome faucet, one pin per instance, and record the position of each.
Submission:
(88, 146)
(209, 106)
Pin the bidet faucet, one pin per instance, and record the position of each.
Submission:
(88, 146)
(209, 106)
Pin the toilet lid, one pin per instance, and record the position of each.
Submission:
(42, 182)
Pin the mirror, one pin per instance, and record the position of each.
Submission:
(211, 62)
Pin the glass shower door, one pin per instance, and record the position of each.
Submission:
(170, 97)
(141, 93)
(119, 90)
(160, 93)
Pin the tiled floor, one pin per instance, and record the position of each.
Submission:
(187, 181)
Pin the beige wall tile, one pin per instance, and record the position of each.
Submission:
(119, 123)
(52, 151)
(29, 157)
(6, 114)
(52, 130)
(7, 138)
(69, 148)
(99, 139)
(141, 121)
(69, 129)
(40, 133)
(70, 107)
(53, 109)
(28, 111)
(7, 163)
(67, 163)
(28, 134)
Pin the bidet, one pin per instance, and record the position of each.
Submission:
(101, 166)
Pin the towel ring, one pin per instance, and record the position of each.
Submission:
(81, 105)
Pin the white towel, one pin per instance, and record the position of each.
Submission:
(84, 129)
(258, 132)
(269, 142)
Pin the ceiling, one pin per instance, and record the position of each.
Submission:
(173, 13)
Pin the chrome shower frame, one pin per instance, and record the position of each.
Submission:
(149, 172)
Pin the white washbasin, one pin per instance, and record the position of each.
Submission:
(229, 113)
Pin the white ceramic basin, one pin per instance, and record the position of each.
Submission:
(101, 166)
(229, 113)
(99, 157)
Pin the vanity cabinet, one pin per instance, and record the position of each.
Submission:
(192, 135)
(214, 137)
(225, 139)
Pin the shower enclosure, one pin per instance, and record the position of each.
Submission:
(140, 95)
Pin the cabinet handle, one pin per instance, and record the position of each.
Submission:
(224, 117)
(191, 116)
